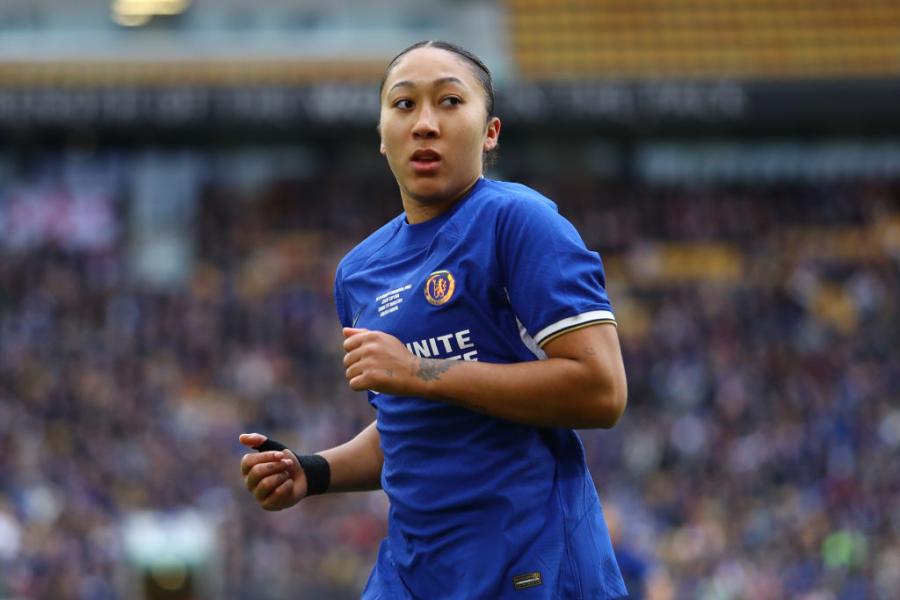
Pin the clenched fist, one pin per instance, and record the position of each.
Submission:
(275, 479)
(379, 362)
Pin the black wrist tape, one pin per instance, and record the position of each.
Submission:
(318, 473)
(270, 445)
(316, 468)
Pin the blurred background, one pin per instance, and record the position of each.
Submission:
(179, 179)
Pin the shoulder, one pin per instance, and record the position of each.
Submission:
(509, 197)
(507, 206)
(519, 211)
(369, 246)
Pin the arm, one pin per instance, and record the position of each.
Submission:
(581, 384)
(277, 482)
(356, 465)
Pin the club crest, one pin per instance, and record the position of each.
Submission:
(439, 287)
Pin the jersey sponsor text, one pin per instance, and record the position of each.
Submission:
(452, 346)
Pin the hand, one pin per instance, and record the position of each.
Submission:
(379, 362)
(274, 478)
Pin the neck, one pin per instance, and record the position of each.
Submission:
(419, 210)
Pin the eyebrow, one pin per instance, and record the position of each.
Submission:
(435, 83)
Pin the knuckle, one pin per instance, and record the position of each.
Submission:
(246, 463)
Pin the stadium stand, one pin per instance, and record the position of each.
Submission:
(753, 455)
(176, 193)
(561, 39)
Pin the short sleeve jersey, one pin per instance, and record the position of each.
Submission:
(481, 507)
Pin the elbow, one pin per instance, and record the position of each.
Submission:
(607, 404)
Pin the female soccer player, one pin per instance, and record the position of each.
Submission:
(479, 324)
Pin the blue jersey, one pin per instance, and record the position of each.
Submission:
(480, 507)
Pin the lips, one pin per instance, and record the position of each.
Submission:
(425, 160)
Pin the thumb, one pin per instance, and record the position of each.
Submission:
(351, 331)
(252, 440)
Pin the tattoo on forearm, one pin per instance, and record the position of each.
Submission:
(431, 369)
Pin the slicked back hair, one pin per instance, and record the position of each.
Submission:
(479, 69)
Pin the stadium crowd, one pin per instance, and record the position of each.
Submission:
(756, 458)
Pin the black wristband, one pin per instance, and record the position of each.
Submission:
(318, 473)
(316, 468)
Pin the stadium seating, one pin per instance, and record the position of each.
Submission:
(759, 39)
(762, 366)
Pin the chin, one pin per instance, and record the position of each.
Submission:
(427, 192)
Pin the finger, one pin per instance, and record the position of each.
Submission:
(351, 331)
(269, 484)
(261, 471)
(354, 370)
(276, 500)
(352, 357)
(252, 440)
(359, 339)
(251, 460)
(358, 383)
(352, 343)
(293, 464)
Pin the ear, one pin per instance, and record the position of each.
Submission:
(492, 134)
(381, 144)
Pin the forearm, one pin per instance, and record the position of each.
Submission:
(356, 465)
(582, 383)
(557, 392)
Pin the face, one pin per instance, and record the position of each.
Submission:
(434, 126)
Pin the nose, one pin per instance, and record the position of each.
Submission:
(426, 125)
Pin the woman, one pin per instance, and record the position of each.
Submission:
(446, 310)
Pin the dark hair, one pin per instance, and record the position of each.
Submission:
(479, 69)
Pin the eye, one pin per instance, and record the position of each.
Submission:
(403, 104)
(451, 101)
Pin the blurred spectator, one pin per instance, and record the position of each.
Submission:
(754, 459)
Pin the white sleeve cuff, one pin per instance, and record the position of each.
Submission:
(572, 323)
